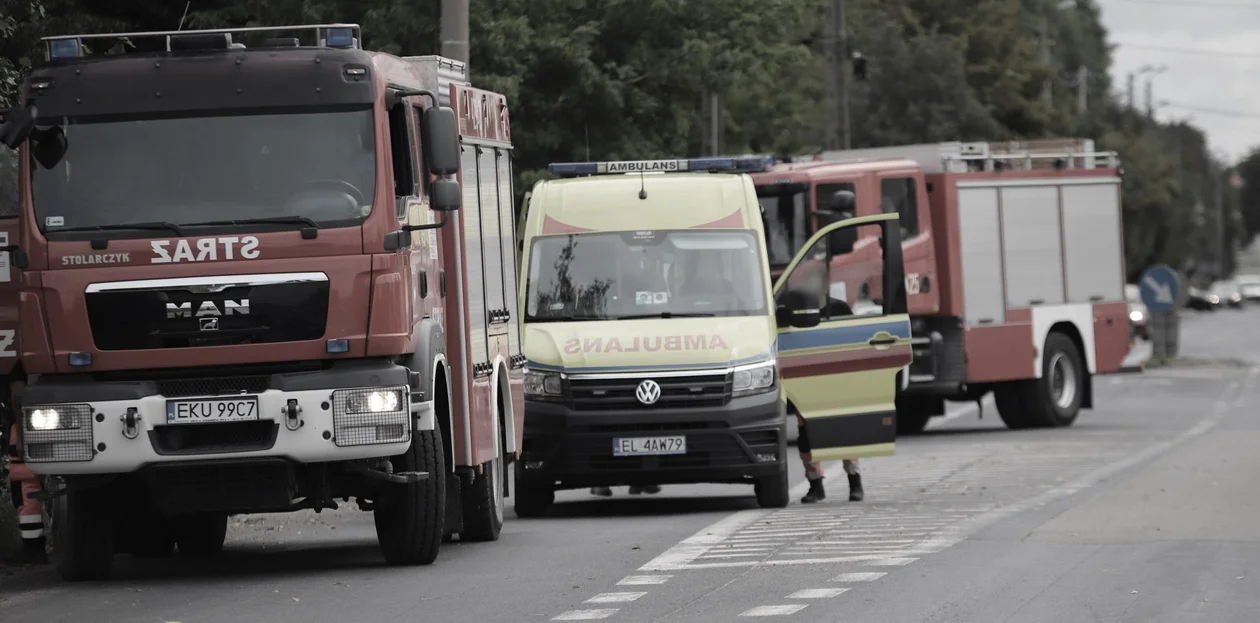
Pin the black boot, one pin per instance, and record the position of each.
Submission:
(33, 552)
(855, 488)
(816, 492)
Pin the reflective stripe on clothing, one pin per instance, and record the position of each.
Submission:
(31, 526)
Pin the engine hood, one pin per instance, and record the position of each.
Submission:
(651, 344)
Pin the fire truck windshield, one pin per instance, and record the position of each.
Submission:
(263, 167)
(622, 275)
(788, 225)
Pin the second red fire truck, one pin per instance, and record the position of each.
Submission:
(1014, 259)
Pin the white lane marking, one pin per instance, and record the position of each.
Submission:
(692, 547)
(644, 580)
(586, 615)
(615, 598)
(771, 611)
(817, 593)
(863, 576)
(892, 562)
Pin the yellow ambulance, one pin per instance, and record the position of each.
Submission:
(660, 352)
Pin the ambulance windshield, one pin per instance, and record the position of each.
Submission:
(319, 165)
(621, 275)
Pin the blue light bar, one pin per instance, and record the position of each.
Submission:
(340, 38)
(746, 165)
(64, 48)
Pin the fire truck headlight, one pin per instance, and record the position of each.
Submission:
(371, 415)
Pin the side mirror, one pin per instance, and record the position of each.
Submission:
(49, 146)
(805, 318)
(841, 241)
(441, 145)
(17, 126)
(795, 311)
(445, 195)
(843, 201)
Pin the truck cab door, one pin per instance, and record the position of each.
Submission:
(844, 335)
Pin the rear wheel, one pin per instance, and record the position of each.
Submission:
(772, 491)
(1054, 400)
(83, 534)
(201, 535)
(483, 502)
(411, 518)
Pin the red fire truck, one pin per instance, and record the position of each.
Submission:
(240, 280)
(1014, 265)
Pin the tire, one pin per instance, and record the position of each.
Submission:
(200, 535)
(483, 501)
(911, 422)
(411, 518)
(773, 491)
(83, 534)
(1052, 401)
(530, 501)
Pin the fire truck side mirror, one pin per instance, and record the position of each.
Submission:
(441, 145)
(17, 126)
(444, 195)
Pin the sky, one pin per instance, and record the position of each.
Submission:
(1210, 54)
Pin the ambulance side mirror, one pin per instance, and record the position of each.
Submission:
(441, 145)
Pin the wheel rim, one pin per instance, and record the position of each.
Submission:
(1062, 380)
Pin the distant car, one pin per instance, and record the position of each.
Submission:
(1228, 293)
(1201, 300)
(1248, 287)
(1139, 316)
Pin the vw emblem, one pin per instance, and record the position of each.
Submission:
(648, 392)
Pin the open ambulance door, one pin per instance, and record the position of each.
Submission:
(844, 335)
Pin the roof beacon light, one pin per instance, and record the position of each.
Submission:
(64, 48)
(575, 169)
(340, 38)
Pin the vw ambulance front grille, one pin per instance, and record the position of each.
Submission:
(594, 393)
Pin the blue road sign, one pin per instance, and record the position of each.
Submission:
(1160, 288)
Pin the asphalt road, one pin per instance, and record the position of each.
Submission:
(1142, 511)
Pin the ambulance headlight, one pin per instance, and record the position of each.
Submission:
(542, 385)
(755, 379)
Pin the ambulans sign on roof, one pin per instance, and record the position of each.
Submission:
(481, 114)
(573, 169)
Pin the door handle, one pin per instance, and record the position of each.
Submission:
(882, 339)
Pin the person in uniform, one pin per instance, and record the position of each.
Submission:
(22, 484)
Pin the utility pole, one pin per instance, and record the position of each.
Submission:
(1082, 89)
(1220, 223)
(716, 126)
(455, 30)
(1150, 100)
(837, 83)
(1132, 92)
(1046, 93)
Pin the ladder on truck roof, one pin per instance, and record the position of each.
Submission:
(960, 157)
(342, 36)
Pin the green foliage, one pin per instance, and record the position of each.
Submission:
(605, 79)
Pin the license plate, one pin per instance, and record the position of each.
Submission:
(212, 410)
(647, 446)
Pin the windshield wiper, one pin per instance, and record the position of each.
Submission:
(297, 220)
(568, 318)
(666, 315)
(157, 225)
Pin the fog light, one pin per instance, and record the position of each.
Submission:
(80, 359)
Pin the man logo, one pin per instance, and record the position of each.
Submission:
(210, 324)
(648, 392)
(207, 308)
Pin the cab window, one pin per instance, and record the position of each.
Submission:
(897, 194)
(786, 218)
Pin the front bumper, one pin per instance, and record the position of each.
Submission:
(735, 443)
(122, 425)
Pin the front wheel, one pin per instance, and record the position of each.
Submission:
(773, 491)
(83, 534)
(411, 518)
(1054, 400)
